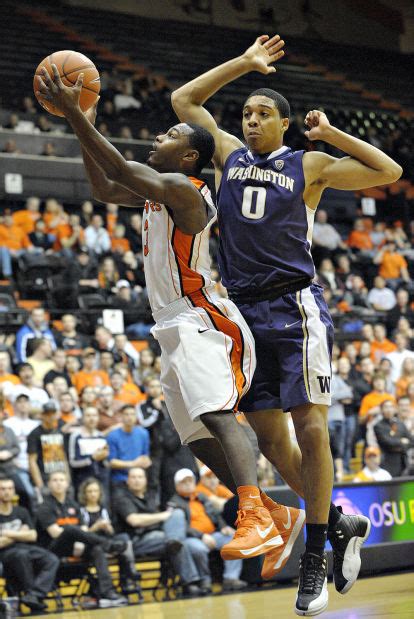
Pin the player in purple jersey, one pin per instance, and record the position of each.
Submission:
(267, 196)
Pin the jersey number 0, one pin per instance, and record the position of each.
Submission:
(254, 202)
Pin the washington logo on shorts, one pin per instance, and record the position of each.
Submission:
(324, 383)
(279, 163)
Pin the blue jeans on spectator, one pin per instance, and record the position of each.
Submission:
(155, 543)
(350, 424)
(337, 438)
(5, 262)
(138, 331)
(199, 551)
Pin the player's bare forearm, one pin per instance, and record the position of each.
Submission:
(364, 152)
(105, 190)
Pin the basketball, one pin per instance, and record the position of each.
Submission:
(70, 64)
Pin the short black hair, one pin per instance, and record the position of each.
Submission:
(280, 102)
(203, 142)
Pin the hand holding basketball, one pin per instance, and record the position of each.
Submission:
(69, 66)
(62, 97)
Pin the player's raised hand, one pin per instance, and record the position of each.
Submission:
(264, 52)
(318, 125)
(65, 98)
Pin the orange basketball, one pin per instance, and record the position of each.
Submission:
(70, 64)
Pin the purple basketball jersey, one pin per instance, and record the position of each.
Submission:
(265, 226)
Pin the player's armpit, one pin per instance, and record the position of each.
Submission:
(188, 207)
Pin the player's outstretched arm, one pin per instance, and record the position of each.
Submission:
(188, 100)
(366, 166)
(103, 189)
(174, 190)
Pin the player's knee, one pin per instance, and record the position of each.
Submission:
(313, 434)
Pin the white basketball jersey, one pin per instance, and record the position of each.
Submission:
(175, 264)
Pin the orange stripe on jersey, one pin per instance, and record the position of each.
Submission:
(222, 323)
(183, 246)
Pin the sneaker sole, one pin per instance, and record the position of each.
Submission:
(352, 559)
(112, 603)
(284, 557)
(229, 555)
(316, 610)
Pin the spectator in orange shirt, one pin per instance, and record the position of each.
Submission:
(119, 243)
(360, 238)
(88, 375)
(13, 237)
(381, 345)
(210, 486)
(70, 236)
(108, 274)
(392, 266)
(111, 217)
(406, 379)
(370, 405)
(7, 378)
(27, 217)
(125, 392)
(54, 215)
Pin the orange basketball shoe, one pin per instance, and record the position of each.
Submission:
(256, 532)
(289, 521)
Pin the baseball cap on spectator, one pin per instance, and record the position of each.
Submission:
(372, 451)
(183, 474)
(49, 407)
(88, 351)
(123, 283)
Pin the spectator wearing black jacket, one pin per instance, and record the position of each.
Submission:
(39, 237)
(206, 531)
(135, 307)
(60, 530)
(28, 567)
(394, 440)
(167, 453)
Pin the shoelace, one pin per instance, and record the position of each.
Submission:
(312, 574)
(246, 520)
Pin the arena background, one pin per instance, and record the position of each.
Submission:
(351, 59)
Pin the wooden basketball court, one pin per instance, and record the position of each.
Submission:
(382, 597)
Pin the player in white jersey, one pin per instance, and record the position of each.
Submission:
(207, 349)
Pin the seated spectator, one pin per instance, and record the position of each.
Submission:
(29, 570)
(385, 368)
(129, 446)
(14, 242)
(44, 124)
(401, 309)
(393, 266)
(37, 396)
(103, 339)
(154, 532)
(9, 450)
(125, 392)
(58, 369)
(7, 379)
(125, 351)
(357, 294)
(60, 531)
(96, 237)
(69, 338)
(206, 531)
(109, 415)
(88, 396)
(328, 278)
(86, 213)
(359, 239)
(372, 470)
(134, 232)
(381, 298)
(89, 451)
(106, 361)
(326, 239)
(40, 359)
(108, 275)
(45, 448)
(146, 365)
(49, 150)
(10, 147)
(111, 217)
(70, 237)
(124, 100)
(88, 375)
(394, 440)
(406, 378)
(381, 346)
(39, 238)
(97, 520)
(84, 274)
(406, 413)
(22, 424)
(26, 218)
(370, 407)
(398, 356)
(28, 106)
(54, 215)
(210, 486)
(119, 243)
(36, 327)
(135, 308)
(132, 270)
